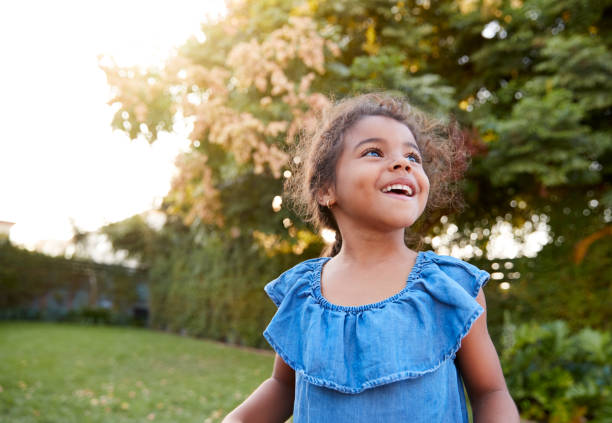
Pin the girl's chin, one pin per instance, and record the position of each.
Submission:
(398, 225)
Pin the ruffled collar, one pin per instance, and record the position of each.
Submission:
(315, 283)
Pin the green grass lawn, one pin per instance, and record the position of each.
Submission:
(72, 373)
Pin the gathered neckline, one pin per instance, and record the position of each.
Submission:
(318, 294)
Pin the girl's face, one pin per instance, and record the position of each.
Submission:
(380, 181)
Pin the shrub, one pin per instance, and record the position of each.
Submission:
(556, 376)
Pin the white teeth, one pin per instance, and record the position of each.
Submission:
(398, 186)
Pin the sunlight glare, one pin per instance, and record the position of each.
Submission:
(58, 148)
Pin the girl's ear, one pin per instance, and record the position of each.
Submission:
(326, 197)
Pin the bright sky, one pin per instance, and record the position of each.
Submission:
(59, 158)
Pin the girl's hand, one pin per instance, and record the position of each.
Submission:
(482, 373)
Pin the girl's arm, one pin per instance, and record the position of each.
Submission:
(271, 402)
(481, 371)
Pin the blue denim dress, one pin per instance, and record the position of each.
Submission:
(390, 361)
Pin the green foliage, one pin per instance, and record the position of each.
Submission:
(558, 376)
(216, 289)
(99, 316)
(553, 285)
(549, 152)
(387, 71)
(37, 286)
(133, 235)
(145, 87)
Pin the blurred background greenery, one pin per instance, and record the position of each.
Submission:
(530, 83)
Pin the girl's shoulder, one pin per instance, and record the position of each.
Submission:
(470, 277)
(300, 273)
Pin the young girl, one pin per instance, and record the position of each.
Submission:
(376, 332)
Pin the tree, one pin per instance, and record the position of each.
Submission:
(528, 80)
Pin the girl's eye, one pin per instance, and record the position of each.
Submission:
(372, 153)
(375, 152)
(414, 157)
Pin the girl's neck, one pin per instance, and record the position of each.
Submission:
(364, 249)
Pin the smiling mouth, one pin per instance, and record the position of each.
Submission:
(400, 189)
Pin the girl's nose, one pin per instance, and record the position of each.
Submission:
(400, 162)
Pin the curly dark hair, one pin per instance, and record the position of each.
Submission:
(316, 155)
